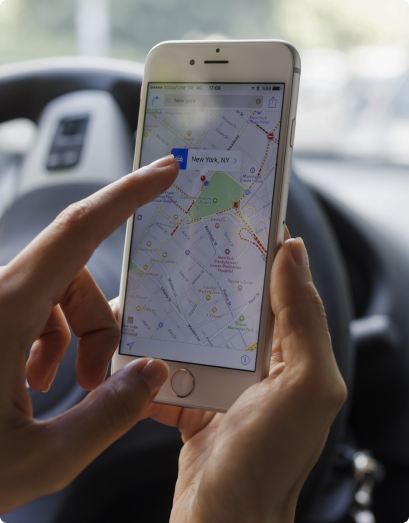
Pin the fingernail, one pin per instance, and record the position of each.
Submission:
(154, 374)
(114, 305)
(51, 377)
(299, 252)
(163, 162)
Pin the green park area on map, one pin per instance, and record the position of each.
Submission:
(218, 196)
(135, 268)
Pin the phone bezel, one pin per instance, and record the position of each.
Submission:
(264, 61)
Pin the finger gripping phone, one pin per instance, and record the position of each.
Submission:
(197, 262)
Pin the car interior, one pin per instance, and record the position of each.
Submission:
(85, 110)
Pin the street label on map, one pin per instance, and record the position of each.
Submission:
(198, 159)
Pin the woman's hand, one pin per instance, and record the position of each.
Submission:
(48, 281)
(249, 464)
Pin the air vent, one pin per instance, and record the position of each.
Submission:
(216, 62)
(68, 143)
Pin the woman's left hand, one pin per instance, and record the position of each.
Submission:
(249, 464)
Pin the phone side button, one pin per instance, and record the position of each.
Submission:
(182, 383)
(292, 134)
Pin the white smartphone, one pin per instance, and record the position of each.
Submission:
(197, 261)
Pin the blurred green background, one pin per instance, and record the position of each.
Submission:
(354, 97)
(129, 28)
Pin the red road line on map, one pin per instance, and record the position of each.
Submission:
(258, 245)
(264, 131)
(180, 190)
(261, 128)
(245, 239)
(186, 212)
(254, 236)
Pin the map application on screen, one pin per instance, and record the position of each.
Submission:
(198, 252)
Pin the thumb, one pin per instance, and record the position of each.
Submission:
(107, 413)
(298, 309)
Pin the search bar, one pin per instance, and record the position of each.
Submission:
(219, 101)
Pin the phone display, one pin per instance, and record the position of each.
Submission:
(198, 252)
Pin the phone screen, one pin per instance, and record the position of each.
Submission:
(198, 252)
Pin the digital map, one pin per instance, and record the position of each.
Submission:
(197, 268)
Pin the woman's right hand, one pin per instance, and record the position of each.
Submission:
(43, 290)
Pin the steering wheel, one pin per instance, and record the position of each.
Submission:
(105, 94)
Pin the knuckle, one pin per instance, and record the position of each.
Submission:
(323, 387)
(333, 393)
(332, 386)
(318, 310)
(59, 334)
(79, 218)
(74, 291)
(74, 212)
(73, 218)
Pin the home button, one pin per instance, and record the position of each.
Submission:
(182, 383)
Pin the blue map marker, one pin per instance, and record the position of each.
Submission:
(130, 345)
(181, 157)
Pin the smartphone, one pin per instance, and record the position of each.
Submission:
(197, 261)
